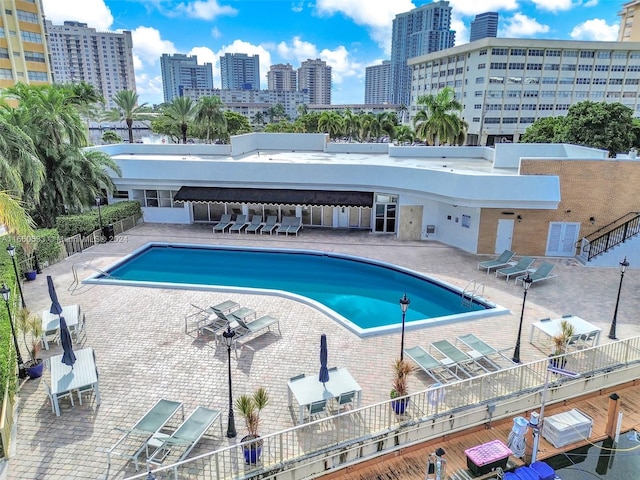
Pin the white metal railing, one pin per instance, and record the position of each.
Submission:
(314, 448)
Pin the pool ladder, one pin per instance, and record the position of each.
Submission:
(471, 291)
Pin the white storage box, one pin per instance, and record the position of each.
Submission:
(567, 427)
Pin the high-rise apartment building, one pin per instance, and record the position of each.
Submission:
(483, 26)
(377, 80)
(314, 77)
(282, 78)
(423, 30)
(240, 71)
(629, 27)
(506, 84)
(24, 56)
(181, 71)
(102, 59)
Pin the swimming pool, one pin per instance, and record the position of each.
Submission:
(360, 293)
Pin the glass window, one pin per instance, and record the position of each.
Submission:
(535, 52)
(518, 51)
(516, 66)
(498, 65)
(604, 54)
(552, 53)
(6, 74)
(498, 51)
(570, 53)
(37, 76)
(4, 52)
(31, 37)
(29, 17)
(587, 54)
(34, 56)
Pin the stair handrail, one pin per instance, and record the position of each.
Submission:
(613, 237)
(610, 226)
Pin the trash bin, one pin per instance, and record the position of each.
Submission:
(108, 232)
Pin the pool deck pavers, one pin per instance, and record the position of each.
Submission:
(143, 353)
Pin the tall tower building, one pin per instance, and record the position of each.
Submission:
(314, 77)
(282, 78)
(24, 56)
(102, 59)
(376, 83)
(181, 71)
(240, 71)
(629, 27)
(423, 30)
(483, 26)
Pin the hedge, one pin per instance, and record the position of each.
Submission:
(88, 222)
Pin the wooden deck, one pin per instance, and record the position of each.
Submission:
(410, 463)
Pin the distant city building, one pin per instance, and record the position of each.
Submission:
(629, 27)
(314, 77)
(282, 78)
(250, 102)
(423, 30)
(483, 26)
(102, 59)
(506, 84)
(377, 81)
(24, 56)
(240, 71)
(355, 108)
(181, 71)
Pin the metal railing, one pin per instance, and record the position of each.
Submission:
(312, 449)
(6, 421)
(610, 235)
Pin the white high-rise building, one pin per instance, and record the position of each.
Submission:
(421, 31)
(240, 71)
(314, 77)
(81, 54)
(506, 84)
(181, 71)
(283, 78)
(629, 27)
(377, 81)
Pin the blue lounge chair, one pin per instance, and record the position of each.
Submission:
(501, 261)
(284, 226)
(255, 225)
(296, 225)
(519, 268)
(429, 364)
(543, 272)
(239, 223)
(224, 223)
(270, 225)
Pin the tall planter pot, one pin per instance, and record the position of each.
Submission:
(252, 451)
(400, 406)
(35, 370)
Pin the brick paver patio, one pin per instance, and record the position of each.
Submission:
(143, 353)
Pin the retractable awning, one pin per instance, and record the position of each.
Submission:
(274, 196)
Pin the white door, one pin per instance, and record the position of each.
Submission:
(561, 239)
(504, 235)
(343, 217)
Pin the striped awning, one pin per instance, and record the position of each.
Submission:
(274, 196)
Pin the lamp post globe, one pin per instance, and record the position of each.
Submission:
(526, 283)
(404, 305)
(6, 295)
(228, 335)
(11, 250)
(624, 264)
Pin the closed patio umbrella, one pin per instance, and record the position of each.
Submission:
(55, 304)
(68, 357)
(324, 371)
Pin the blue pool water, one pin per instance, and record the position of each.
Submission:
(363, 292)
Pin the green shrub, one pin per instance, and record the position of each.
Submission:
(48, 244)
(85, 223)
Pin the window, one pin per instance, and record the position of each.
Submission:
(631, 81)
(509, 120)
(633, 68)
(482, 52)
(494, 106)
(613, 94)
(530, 93)
(479, 80)
(527, 119)
(617, 68)
(634, 55)
(603, 54)
(580, 94)
(37, 76)
(615, 81)
(496, 79)
(599, 81)
(513, 94)
(549, 80)
(585, 68)
(157, 198)
(498, 66)
(552, 66)
(518, 51)
(4, 53)
(562, 106)
(534, 52)
(28, 17)
(566, 81)
(629, 94)
(5, 74)
(475, 119)
(477, 106)
(512, 106)
(528, 106)
(602, 68)
(31, 37)
(34, 56)
(552, 53)
(491, 120)
(2, 35)
(481, 66)
(587, 54)
(546, 106)
(516, 66)
(583, 81)
(498, 51)
(619, 55)
(514, 80)
(570, 53)
(568, 67)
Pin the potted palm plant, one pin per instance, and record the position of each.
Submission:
(249, 407)
(30, 325)
(401, 369)
(560, 343)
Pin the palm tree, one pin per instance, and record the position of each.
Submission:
(181, 111)
(404, 133)
(210, 116)
(128, 110)
(20, 167)
(331, 123)
(303, 109)
(437, 122)
(276, 112)
(13, 215)
(258, 119)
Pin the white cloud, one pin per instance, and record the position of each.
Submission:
(148, 46)
(94, 13)
(459, 26)
(299, 50)
(203, 9)
(215, 33)
(474, 7)
(520, 26)
(595, 29)
(590, 3)
(554, 5)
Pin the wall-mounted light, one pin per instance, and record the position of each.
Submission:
(519, 217)
(567, 211)
(592, 220)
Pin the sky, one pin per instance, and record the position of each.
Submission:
(349, 35)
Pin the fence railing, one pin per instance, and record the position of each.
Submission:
(6, 422)
(316, 447)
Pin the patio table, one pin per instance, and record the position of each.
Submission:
(51, 322)
(580, 328)
(66, 379)
(309, 389)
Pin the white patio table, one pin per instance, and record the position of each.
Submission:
(309, 389)
(66, 379)
(51, 322)
(580, 327)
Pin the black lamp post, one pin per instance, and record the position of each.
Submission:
(623, 268)
(98, 202)
(228, 335)
(6, 294)
(404, 304)
(526, 283)
(11, 250)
